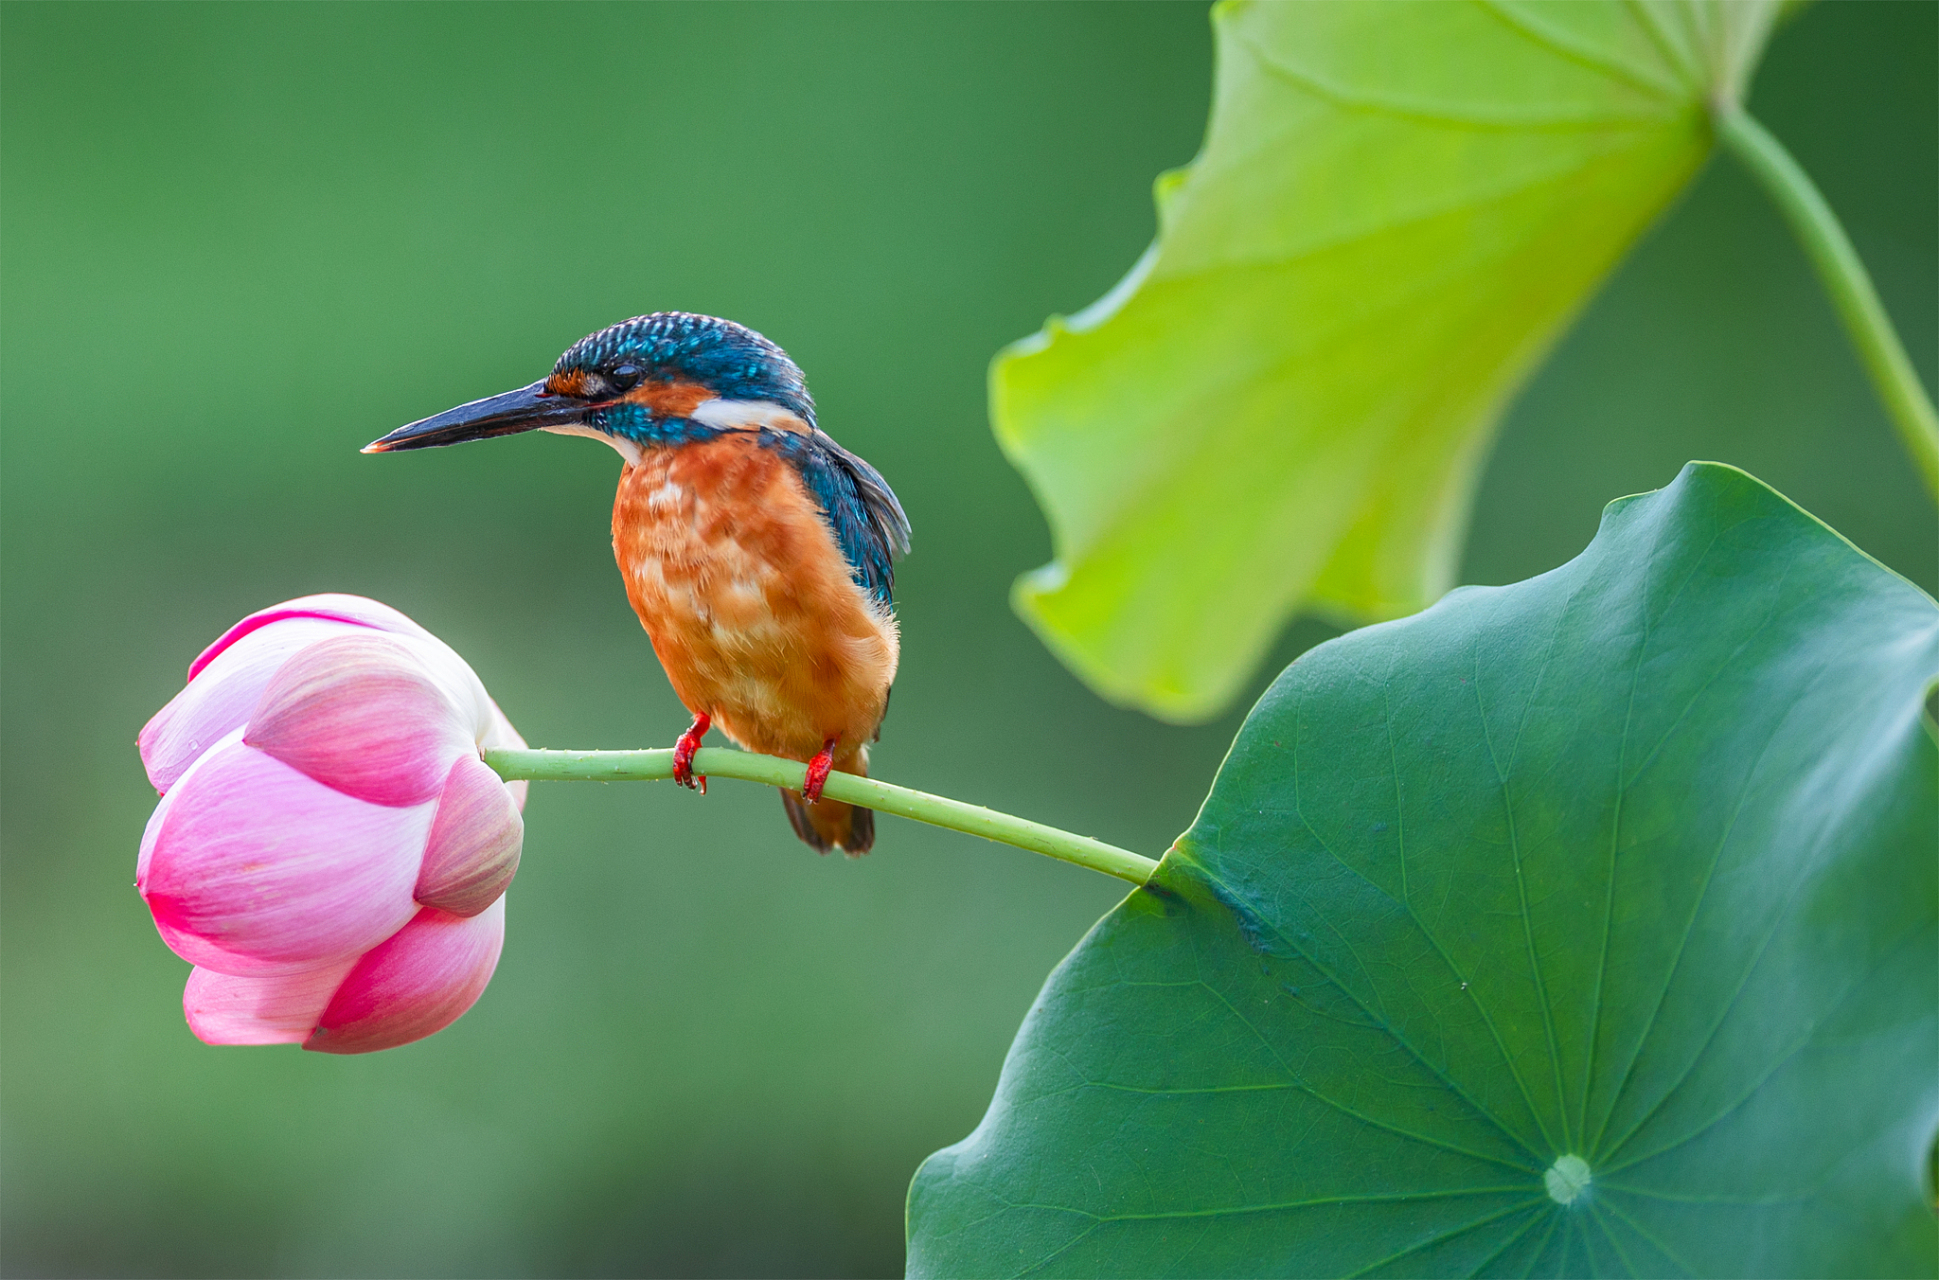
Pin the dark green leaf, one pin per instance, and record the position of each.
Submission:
(1615, 887)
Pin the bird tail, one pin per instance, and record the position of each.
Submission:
(830, 824)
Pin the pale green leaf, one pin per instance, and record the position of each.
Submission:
(1587, 926)
(1396, 210)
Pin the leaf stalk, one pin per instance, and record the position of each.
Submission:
(1845, 279)
(513, 764)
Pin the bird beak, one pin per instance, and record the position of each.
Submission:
(526, 409)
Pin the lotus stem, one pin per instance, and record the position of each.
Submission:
(513, 764)
(1845, 279)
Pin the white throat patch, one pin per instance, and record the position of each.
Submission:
(626, 448)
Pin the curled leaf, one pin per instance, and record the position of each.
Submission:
(1287, 402)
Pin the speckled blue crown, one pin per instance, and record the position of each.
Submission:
(730, 360)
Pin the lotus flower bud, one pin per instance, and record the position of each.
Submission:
(330, 851)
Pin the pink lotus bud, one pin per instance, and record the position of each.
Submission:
(331, 851)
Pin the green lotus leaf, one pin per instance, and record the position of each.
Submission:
(1286, 402)
(1584, 926)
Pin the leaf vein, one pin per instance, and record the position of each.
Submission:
(1452, 1232)
(1402, 1041)
(1543, 1247)
(1528, 924)
(1578, 52)
(1509, 1243)
(1240, 1210)
(1654, 1243)
(1296, 1080)
(1448, 115)
(1777, 919)
(1777, 1064)
(1696, 908)
(1622, 1254)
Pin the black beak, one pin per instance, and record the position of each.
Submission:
(526, 409)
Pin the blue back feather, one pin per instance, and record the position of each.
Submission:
(867, 520)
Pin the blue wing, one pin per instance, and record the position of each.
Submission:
(870, 526)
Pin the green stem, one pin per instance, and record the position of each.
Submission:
(714, 762)
(1845, 279)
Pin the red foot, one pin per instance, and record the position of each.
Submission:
(818, 772)
(683, 754)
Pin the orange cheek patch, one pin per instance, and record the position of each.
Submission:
(570, 383)
(669, 399)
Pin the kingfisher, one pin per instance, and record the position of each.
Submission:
(757, 552)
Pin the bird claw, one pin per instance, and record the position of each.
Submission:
(818, 770)
(683, 750)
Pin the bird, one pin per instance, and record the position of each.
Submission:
(758, 553)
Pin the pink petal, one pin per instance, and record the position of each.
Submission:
(475, 839)
(149, 834)
(417, 983)
(255, 868)
(454, 676)
(355, 610)
(278, 1009)
(499, 733)
(361, 714)
(223, 692)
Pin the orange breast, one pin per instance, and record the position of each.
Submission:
(739, 583)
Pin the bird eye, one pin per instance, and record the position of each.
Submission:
(624, 377)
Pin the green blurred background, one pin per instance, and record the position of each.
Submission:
(240, 241)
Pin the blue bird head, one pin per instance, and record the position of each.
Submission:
(674, 378)
(663, 378)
